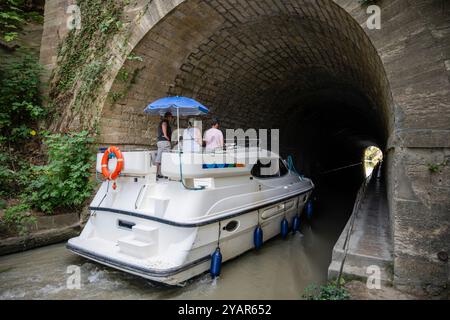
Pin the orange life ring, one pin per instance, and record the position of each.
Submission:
(119, 166)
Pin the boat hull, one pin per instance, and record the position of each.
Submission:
(195, 243)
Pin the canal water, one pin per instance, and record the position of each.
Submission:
(282, 269)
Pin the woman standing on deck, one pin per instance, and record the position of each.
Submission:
(164, 140)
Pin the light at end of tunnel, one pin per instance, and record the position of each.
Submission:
(372, 156)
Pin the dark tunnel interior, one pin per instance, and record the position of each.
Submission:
(329, 133)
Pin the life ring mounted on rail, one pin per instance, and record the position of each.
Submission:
(119, 166)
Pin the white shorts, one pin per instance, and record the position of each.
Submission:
(163, 146)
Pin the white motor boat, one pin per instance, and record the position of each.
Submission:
(168, 230)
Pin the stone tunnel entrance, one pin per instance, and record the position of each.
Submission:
(308, 69)
(311, 70)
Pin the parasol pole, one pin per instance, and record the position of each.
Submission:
(178, 128)
(179, 155)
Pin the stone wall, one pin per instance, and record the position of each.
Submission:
(55, 29)
(414, 45)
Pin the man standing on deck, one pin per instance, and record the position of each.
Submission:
(213, 137)
(164, 140)
(192, 137)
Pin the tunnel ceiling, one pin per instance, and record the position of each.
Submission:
(258, 64)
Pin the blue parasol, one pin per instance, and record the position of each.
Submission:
(180, 106)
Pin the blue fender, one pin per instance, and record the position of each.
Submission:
(296, 224)
(216, 263)
(284, 228)
(258, 237)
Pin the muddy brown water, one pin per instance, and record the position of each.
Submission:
(282, 269)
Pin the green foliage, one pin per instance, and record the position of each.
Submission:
(433, 167)
(20, 111)
(134, 57)
(127, 79)
(76, 82)
(20, 101)
(436, 167)
(116, 96)
(89, 83)
(13, 172)
(19, 216)
(7, 176)
(13, 15)
(123, 75)
(10, 36)
(106, 24)
(329, 291)
(64, 181)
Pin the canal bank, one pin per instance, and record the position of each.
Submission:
(46, 230)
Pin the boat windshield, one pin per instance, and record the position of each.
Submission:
(269, 169)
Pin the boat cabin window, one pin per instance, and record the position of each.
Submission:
(269, 170)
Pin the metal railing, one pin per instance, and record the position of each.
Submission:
(359, 197)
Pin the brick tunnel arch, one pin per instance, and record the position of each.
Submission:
(307, 68)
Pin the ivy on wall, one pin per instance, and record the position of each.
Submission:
(84, 58)
(34, 179)
(125, 79)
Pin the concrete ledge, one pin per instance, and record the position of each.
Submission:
(369, 242)
(359, 291)
(38, 239)
(56, 221)
(352, 272)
